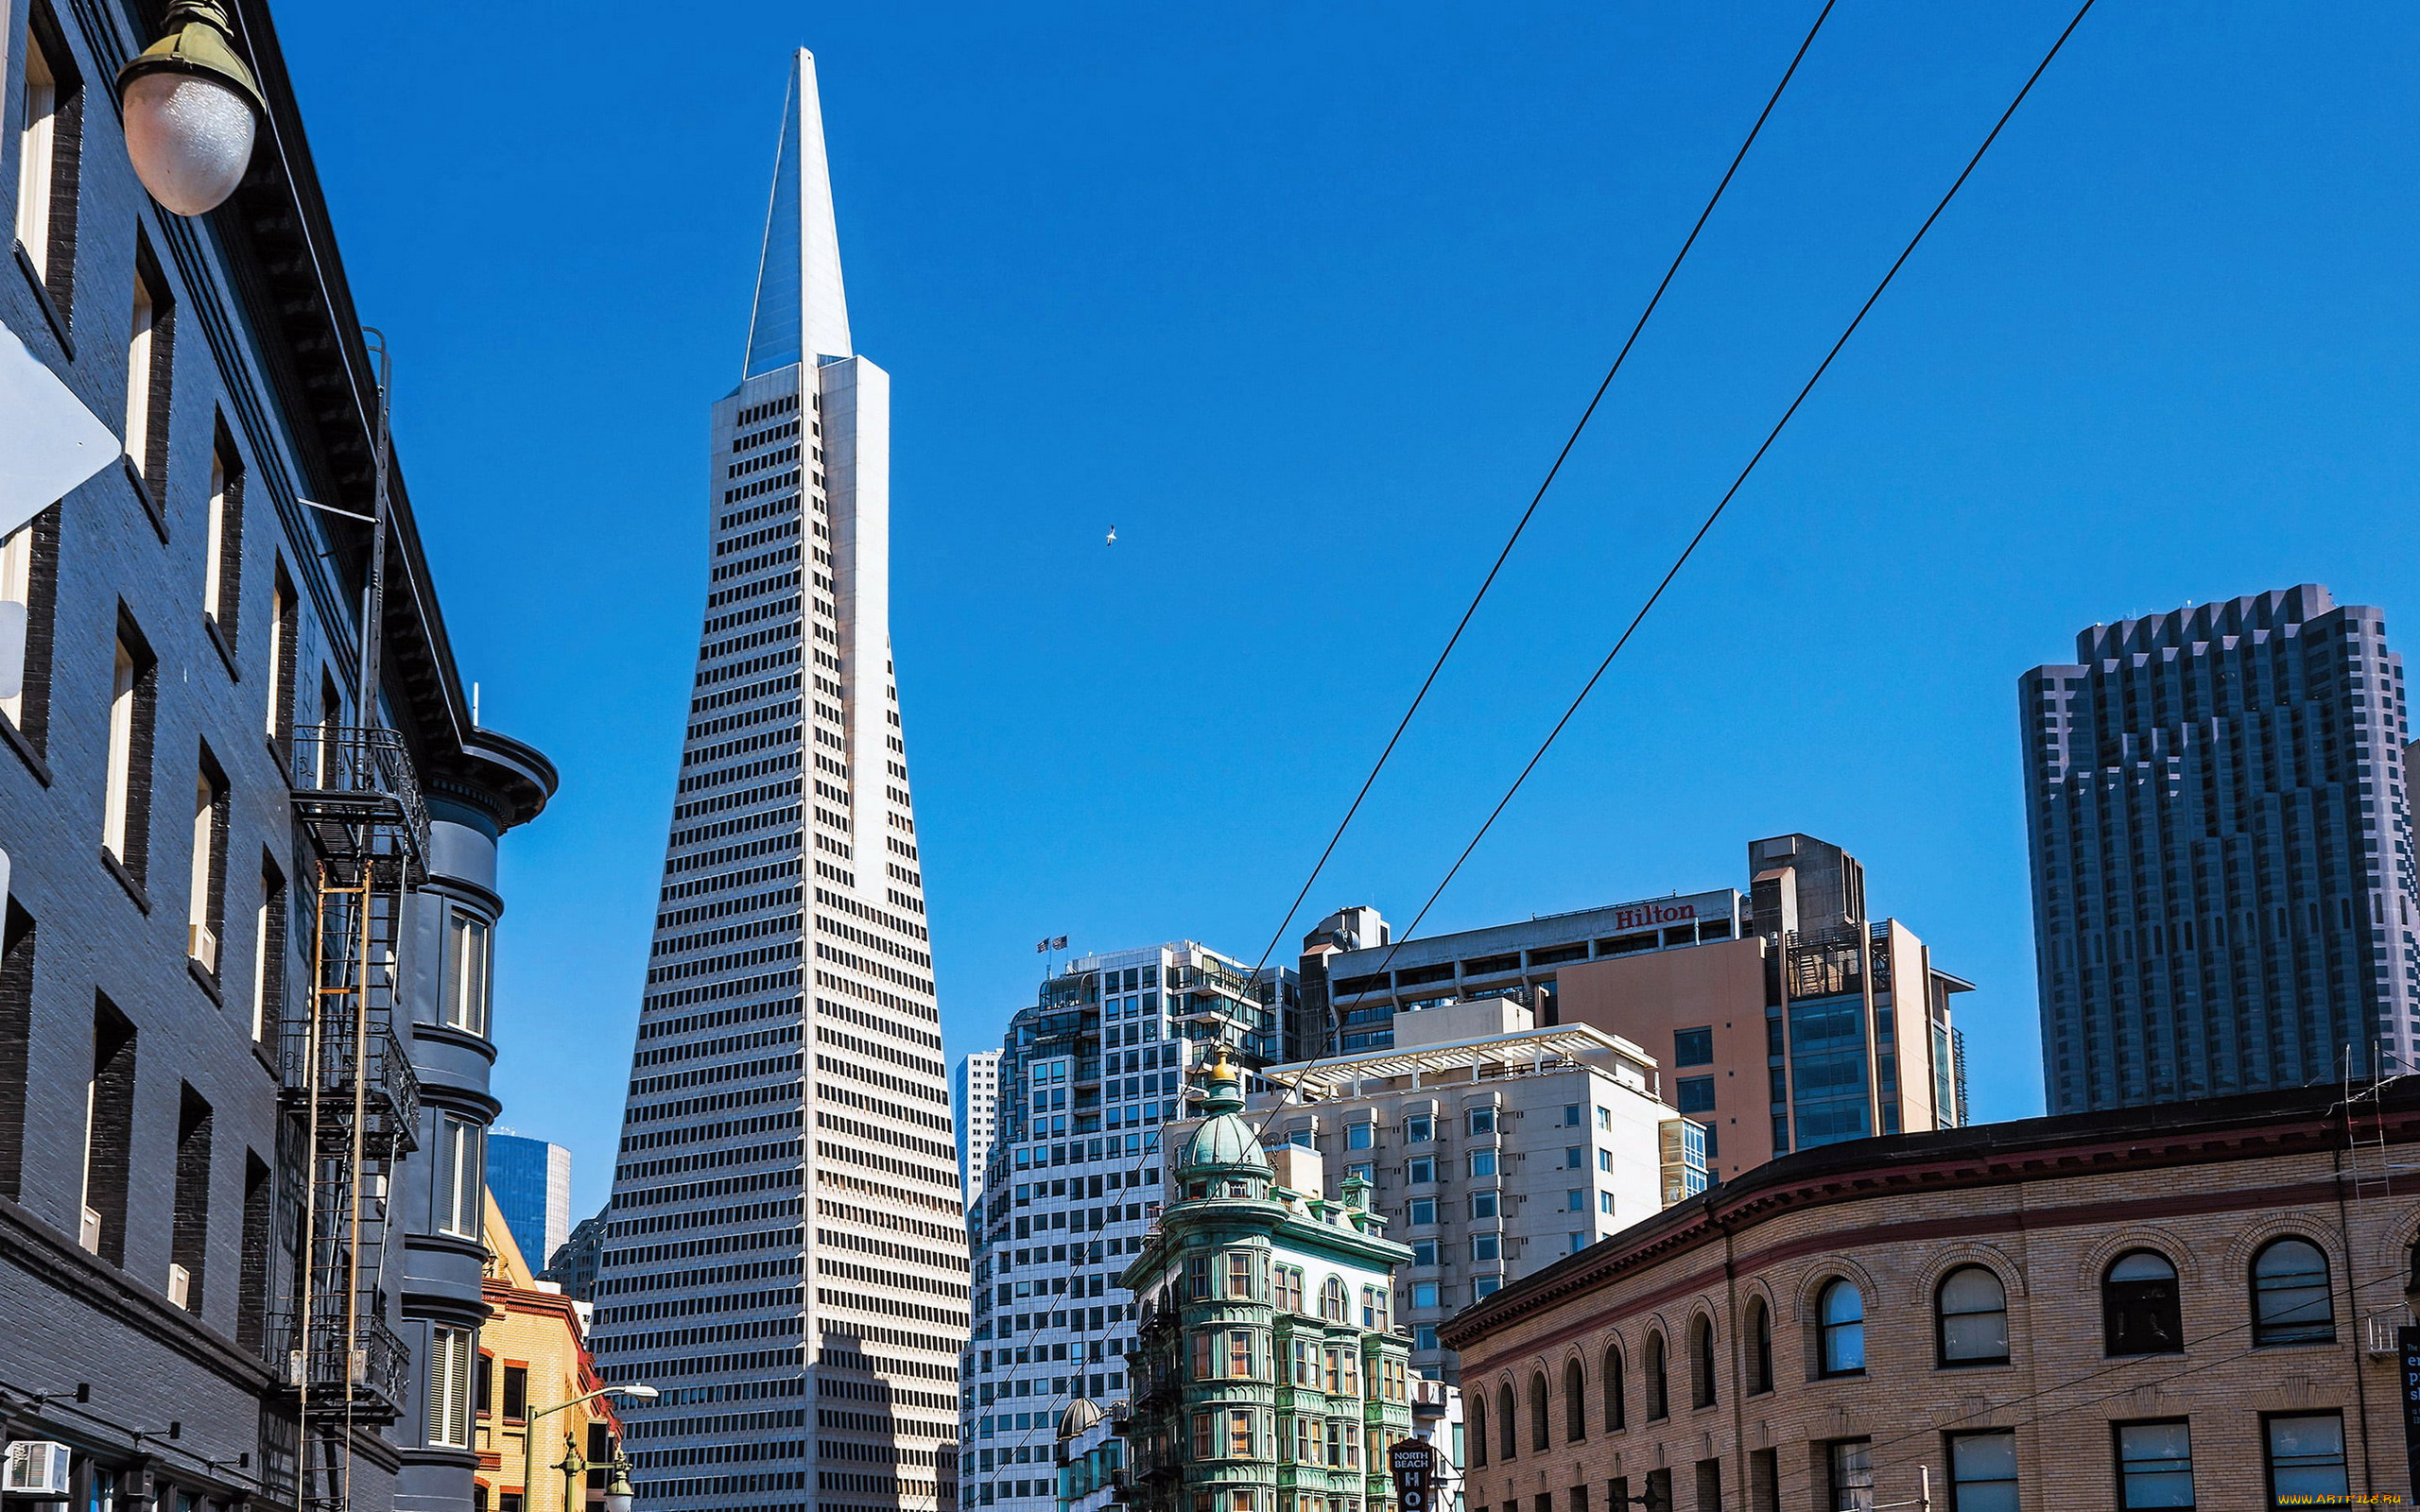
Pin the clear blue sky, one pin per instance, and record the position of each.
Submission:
(1301, 300)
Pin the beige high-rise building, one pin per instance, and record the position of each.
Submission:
(786, 1254)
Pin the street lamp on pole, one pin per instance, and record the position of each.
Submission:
(529, 1444)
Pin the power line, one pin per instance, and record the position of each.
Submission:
(1554, 470)
(1637, 328)
(1745, 472)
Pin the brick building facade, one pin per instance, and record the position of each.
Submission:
(2185, 1306)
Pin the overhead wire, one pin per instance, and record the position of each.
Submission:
(1520, 525)
(1738, 483)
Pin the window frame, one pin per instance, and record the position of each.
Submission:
(1958, 1488)
(2114, 1317)
(465, 1002)
(1943, 1358)
(1830, 1330)
(2119, 1463)
(2269, 1421)
(2269, 1331)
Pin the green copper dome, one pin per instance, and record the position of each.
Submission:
(1224, 1143)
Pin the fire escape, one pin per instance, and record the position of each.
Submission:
(353, 1097)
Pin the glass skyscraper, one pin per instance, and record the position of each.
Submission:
(2224, 879)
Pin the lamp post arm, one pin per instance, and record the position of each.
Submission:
(530, 1445)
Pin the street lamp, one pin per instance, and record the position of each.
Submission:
(529, 1442)
(190, 107)
(618, 1493)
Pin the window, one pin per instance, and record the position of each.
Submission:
(149, 366)
(1695, 1095)
(1238, 1277)
(126, 776)
(1982, 1473)
(2139, 1306)
(1701, 1377)
(458, 1177)
(1841, 1331)
(29, 576)
(1487, 1249)
(251, 1278)
(2290, 1298)
(1760, 1347)
(1238, 1362)
(1693, 1047)
(207, 906)
(222, 557)
(1376, 1313)
(1420, 1210)
(1848, 1478)
(1575, 1201)
(468, 972)
(1482, 1163)
(1575, 1401)
(450, 1355)
(189, 1225)
(1972, 1312)
(1659, 1401)
(284, 619)
(1575, 1158)
(1539, 1438)
(1505, 1426)
(2154, 1465)
(1605, 1160)
(1359, 1136)
(268, 956)
(1572, 1115)
(1483, 1287)
(1709, 1478)
(1617, 1417)
(1419, 1128)
(1196, 1276)
(1333, 1303)
(2306, 1457)
(1424, 1251)
(1481, 1120)
(516, 1392)
(109, 1134)
(1483, 1205)
(49, 140)
(1288, 1289)
(1343, 1371)
(16, 1033)
(1426, 1294)
(1307, 1362)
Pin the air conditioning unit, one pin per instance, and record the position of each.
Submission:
(36, 1467)
(180, 1286)
(89, 1234)
(203, 946)
(2383, 1341)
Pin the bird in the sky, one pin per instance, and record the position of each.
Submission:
(1113, 535)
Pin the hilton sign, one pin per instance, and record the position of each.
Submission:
(1639, 915)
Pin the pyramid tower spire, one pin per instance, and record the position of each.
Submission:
(786, 1224)
(802, 312)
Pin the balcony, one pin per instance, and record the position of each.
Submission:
(389, 1089)
(370, 1379)
(353, 786)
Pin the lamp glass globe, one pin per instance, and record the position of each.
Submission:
(190, 137)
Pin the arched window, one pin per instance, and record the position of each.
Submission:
(1333, 1302)
(1478, 1430)
(1659, 1401)
(1760, 1347)
(1539, 1440)
(1508, 1428)
(1839, 1324)
(1971, 1315)
(2290, 1298)
(1701, 1362)
(2139, 1314)
(1575, 1401)
(1617, 1413)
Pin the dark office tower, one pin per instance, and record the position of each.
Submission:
(785, 1256)
(2224, 881)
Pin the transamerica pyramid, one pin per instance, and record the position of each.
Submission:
(786, 1257)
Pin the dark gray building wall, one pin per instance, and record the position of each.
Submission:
(92, 1351)
(2223, 877)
